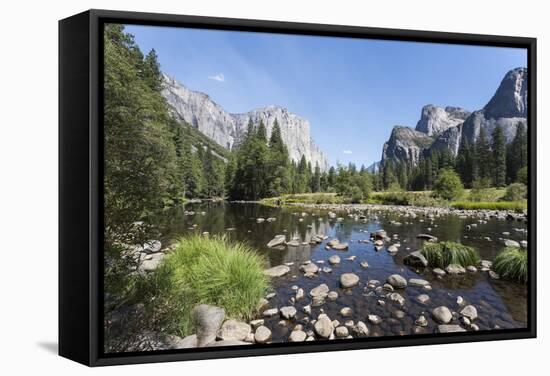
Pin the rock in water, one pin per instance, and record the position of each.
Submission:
(262, 335)
(418, 282)
(309, 268)
(234, 330)
(427, 237)
(349, 280)
(341, 332)
(360, 330)
(397, 281)
(277, 271)
(288, 312)
(442, 314)
(333, 260)
(277, 240)
(323, 327)
(340, 246)
(208, 320)
(297, 336)
(320, 291)
(450, 329)
(470, 312)
(416, 259)
(455, 269)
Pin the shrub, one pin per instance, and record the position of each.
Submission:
(448, 185)
(207, 270)
(443, 254)
(515, 192)
(511, 264)
(523, 176)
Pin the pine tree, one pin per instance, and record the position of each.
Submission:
(278, 161)
(316, 179)
(464, 163)
(483, 156)
(517, 153)
(151, 71)
(499, 157)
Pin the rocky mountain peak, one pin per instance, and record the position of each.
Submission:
(225, 128)
(510, 99)
(405, 144)
(434, 120)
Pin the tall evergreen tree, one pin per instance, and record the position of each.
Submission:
(499, 157)
(517, 153)
(483, 156)
(278, 161)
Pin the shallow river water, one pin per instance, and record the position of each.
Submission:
(500, 304)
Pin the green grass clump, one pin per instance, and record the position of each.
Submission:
(511, 264)
(497, 205)
(443, 254)
(207, 270)
(304, 198)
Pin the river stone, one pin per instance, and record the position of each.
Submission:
(333, 242)
(320, 291)
(393, 249)
(341, 332)
(234, 330)
(262, 334)
(486, 264)
(297, 336)
(270, 312)
(255, 324)
(455, 269)
(418, 282)
(427, 237)
(277, 240)
(260, 220)
(293, 243)
(360, 330)
(493, 274)
(380, 234)
(307, 309)
(208, 320)
(309, 268)
(185, 343)
(323, 327)
(288, 312)
(397, 281)
(423, 298)
(471, 268)
(332, 295)
(345, 312)
(450, 329)
(416, 259)
(300, 294)
(340, 246)
(364, 264)
(397, 298)
(349, 280)
(442, 314)
(470, 312)
(421, 321)
(511, 243)
(379, 243)
(229, 342)
(277, 271)
(399, 314)
(334, 259)
(375, 319)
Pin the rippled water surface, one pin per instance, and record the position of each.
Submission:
(500, 304)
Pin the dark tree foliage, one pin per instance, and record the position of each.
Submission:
(516, 156)
(499, 158)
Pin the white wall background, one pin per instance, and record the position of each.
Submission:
(28, 188)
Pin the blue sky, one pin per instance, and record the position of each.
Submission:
(353, 91)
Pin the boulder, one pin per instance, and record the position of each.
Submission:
(277, 240)
(349, 280)
(332, 295)
(341, 332)
(262, 334)
(270, 312)
(300, 294)
(340, 246)
(418, 282)
(208, 320)
(293, 243)
(288, 312)
(442, 315)
(423, 298)
(297, 336)
(334, 259)
(392, 249)
(374, 319)
(439, 272)
(470, 312)
(511, 243)
(421, 321)
(320, 291)
(345, 312)
(309, 268)
(277, 271)
(455, 269)
(416, 259)
(450, 329)
(397, 298)
(333, 242)
(397, 281)
(323, 327)
(234, 330)
(427, 237)
(360, 330)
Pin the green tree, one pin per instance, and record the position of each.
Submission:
(448, 185)
(316, 179)
(465, 163)
(517, 152)
(484, 156)
(499, 157)
(278, 164)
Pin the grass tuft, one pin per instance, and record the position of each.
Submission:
(443, 254)
(511, 264)
(207, 270)
(517, 206)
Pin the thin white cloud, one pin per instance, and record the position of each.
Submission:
(218, 77)
(347, 152)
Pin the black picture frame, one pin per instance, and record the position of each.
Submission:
(80, 184)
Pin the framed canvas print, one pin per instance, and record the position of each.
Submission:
(239, 187)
